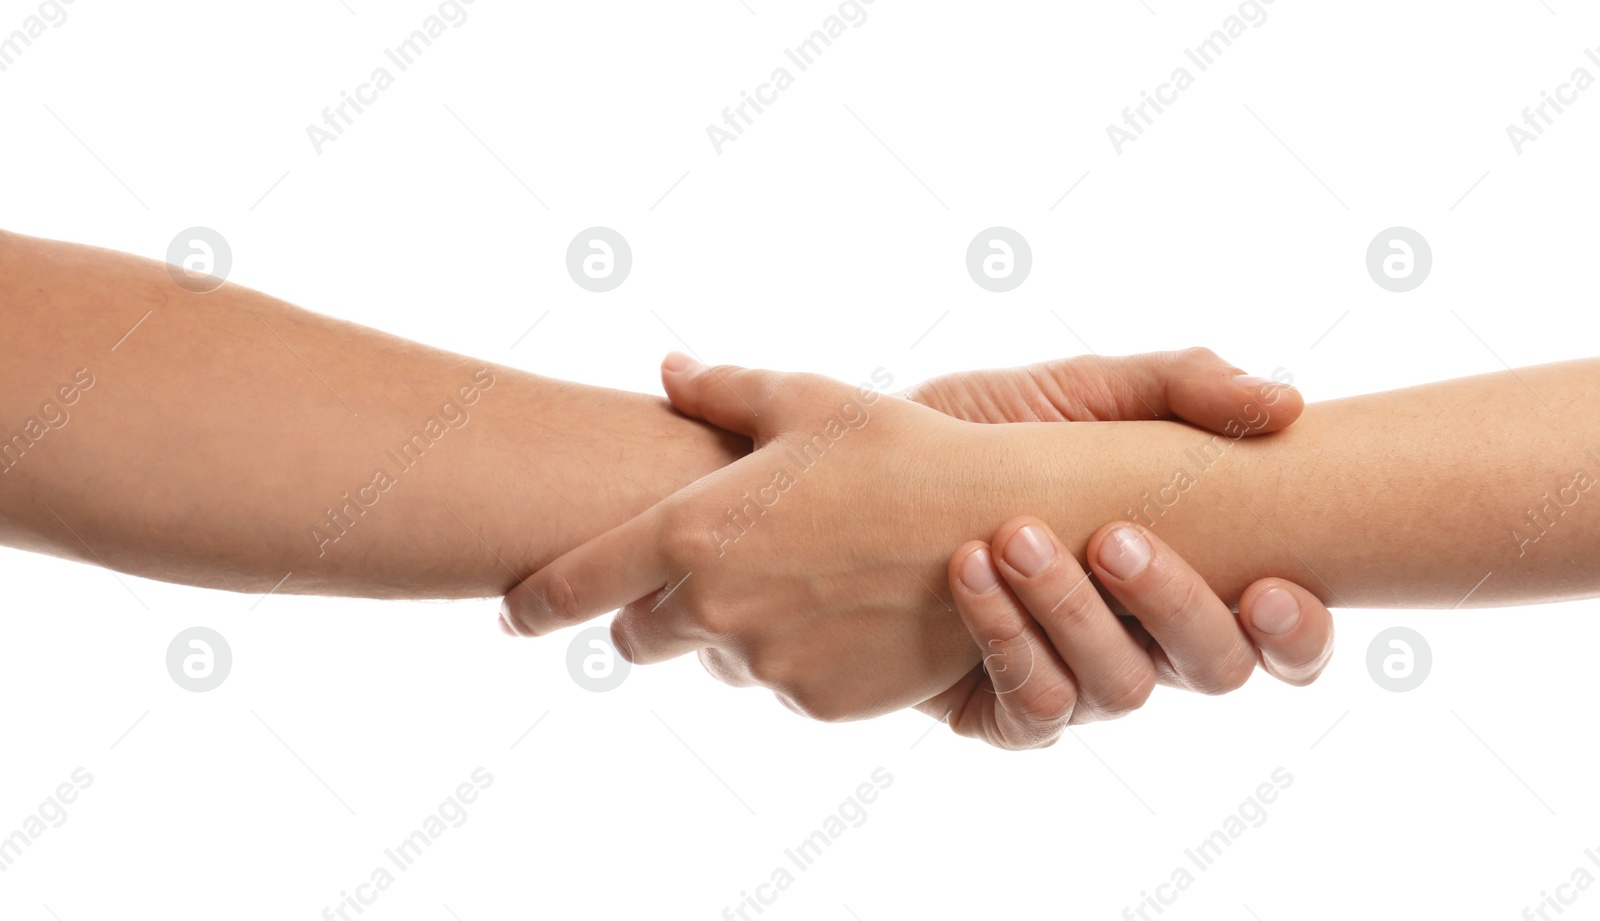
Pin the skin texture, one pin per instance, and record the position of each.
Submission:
(219, 433)
(1407, 498)
(234, 441)
(200, 438)
(1054, 653)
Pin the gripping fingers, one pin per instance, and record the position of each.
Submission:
(1291, 627)
(726, 396)
(1034, 695)
(1204, 390)
(1208, 650)
(1113, 672)
(614, 569)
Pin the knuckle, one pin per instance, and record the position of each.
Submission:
(712, 620)
(1078, 607)
(681, 537)
(1228, 677)
(1303, 671)
(1171, 600)
(555, 604)
(1050, 707)
(999, 637)
(723, 667)
(1199, 354)
(1128, 694)
(820, 706)
(767, 670)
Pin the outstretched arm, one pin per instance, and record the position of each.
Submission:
(232, 438)
(1410, 498)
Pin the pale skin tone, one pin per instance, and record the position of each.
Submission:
(231, 440)
(1409, 498)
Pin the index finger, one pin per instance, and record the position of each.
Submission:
(614, 569)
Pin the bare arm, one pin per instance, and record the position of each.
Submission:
(232, 438)
(1402, 499)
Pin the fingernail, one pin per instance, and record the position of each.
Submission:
(1125, 553)
(1252, 381)
(677, 363)
(1029, 551)
(977, 573)
(1275, 612)
(505, 617)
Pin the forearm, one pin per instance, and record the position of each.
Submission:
(1409, 498)
(233, 438)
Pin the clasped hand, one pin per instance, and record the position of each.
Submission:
(820, 566)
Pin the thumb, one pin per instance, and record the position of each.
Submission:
(727, 396)
(1203, 389)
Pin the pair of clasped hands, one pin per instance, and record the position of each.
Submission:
(840, 563)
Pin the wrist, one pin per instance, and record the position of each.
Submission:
(1190, 486)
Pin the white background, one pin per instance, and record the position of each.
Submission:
(805, 244)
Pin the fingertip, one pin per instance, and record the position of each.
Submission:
(1270, 405)
(1121, 550)
(676, 373)
(1011, 526)
(972, 569)
(677, 362)
(620, 641)
(1272, 610)
(508, 610)
(1292, 628)
(525, 611)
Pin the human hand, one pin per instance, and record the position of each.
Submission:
(810, 566)
(1056, 655)
(782, 659)
(1194, 386)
